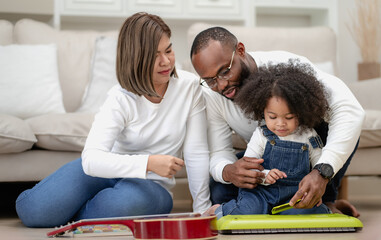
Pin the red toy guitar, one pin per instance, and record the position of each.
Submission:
(166, 226)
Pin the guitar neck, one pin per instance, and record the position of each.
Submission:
(127, 221)
(72, 226)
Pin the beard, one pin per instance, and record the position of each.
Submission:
(244, 74)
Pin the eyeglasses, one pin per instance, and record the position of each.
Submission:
(221, 75)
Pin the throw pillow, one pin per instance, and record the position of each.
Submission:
(15, 135)
(29, 84)
(75, 49)
(6, 32)
(62, 132)
(103, 74)
(371, 129)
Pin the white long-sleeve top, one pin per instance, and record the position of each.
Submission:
(223, 116)
(128, 128)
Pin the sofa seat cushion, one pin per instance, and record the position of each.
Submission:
(33, 165)
(15, 135)
(61, 132)
(371, 129)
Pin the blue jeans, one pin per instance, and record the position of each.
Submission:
(69, 194)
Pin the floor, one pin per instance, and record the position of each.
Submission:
(369, 206)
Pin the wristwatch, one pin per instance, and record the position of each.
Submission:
(325, 170)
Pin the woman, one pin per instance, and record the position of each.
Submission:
(149, 121)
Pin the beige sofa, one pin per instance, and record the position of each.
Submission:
(47, 141)
(34, 145)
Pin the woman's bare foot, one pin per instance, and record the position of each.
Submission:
(211, 210)
(344, 207)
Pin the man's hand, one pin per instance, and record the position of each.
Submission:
(164, 165)
(311, 189)
(241, 174)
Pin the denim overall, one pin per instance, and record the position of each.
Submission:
(287, 156)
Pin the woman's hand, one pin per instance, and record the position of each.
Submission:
(164, 165)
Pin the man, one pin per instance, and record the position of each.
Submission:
(223, 64)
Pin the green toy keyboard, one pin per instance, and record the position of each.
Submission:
(249, 224)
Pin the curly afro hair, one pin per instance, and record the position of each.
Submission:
(294, 82)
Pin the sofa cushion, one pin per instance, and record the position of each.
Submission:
(15, 135)
(62, 132)
(6, 32)
(29, 84)
(74, 55)
(103, 74)
(371, 129)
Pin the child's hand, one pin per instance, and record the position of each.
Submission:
(274, 175)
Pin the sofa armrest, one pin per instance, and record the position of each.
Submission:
(367, 93)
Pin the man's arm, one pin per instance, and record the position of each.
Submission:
(224, 166)
(346, 118)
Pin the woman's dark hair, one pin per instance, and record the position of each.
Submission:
(138, 41)
(294, 82)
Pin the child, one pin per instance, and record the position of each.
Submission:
(291, 101)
